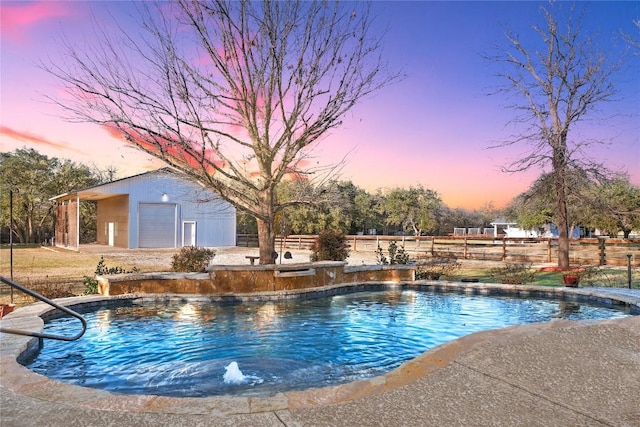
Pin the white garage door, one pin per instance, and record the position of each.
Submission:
(157, 225)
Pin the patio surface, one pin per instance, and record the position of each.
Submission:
(553, 374)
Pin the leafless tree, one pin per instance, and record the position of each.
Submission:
(555, 87)
(234, 94)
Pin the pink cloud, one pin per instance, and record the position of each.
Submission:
(35, 139)
(18, 18)
(171, 147)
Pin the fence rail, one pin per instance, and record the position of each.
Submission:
(593, 251)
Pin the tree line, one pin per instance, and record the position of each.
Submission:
(607, 205)
(610, 205)
(28, 180)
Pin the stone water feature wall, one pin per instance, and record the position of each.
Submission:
(235, 279)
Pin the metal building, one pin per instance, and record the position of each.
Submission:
(158, 209)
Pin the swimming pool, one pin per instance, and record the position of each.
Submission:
(188, 348)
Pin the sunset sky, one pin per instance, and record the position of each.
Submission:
(433, 128)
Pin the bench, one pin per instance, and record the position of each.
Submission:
(252, 259)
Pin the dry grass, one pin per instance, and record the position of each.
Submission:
(56, 272)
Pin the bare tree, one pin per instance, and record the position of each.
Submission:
(556, 87)
(233, 94)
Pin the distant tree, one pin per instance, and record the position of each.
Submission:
(615, 206)
(366, 215)
(331, 211)
(536, 206)
(557, 83)
(33, 178)
(413, 209)
(450, 218)
(234, 94)
(246, 223)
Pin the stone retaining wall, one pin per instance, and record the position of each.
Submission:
(224, 279)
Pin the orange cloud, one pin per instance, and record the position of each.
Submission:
(35, 139)
(16, 19)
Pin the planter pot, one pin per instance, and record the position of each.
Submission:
(571, 280)
(6, 309)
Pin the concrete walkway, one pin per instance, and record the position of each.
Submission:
(554, 374)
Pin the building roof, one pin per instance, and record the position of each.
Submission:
(95, 193)
(503, 221)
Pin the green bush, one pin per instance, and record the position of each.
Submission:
(90, 285)
(397, 254)
(192, 258)
(90, 282)
(330, 246)
(513, 273)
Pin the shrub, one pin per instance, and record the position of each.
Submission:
(91, 284)
(397, 255)
(330, 246)
(192, 258)
(55, 290)
(513, 273)
(608, 277)
(433, 269)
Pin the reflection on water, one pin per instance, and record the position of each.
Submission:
(184, 349)
(566, 309)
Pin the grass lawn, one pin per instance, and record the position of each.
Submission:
(601, 276)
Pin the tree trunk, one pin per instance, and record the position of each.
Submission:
(563, 236)
(559, 169)
(266, 241)
(29, 228)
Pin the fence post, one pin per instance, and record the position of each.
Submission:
(355, 242)
(603, 254)
(433, 242)
(465, 247)
(549, 250)
(629, 269)
(504, 249)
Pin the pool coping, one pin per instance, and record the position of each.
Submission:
(22, 381)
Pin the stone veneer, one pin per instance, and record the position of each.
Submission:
(236, 279)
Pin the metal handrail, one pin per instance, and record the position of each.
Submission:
(51, 303)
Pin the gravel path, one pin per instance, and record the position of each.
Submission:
(224, 255)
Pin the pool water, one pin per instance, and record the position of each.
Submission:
(185, 349)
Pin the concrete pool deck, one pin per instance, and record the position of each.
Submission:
(557, 373)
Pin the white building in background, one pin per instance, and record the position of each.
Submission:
(157, 209)
(511, 229)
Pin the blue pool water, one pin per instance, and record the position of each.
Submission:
(184, 349)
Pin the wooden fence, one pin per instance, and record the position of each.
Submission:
(598, 251)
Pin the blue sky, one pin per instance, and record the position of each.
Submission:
(433, 128)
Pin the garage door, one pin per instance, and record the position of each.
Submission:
(157, 225)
